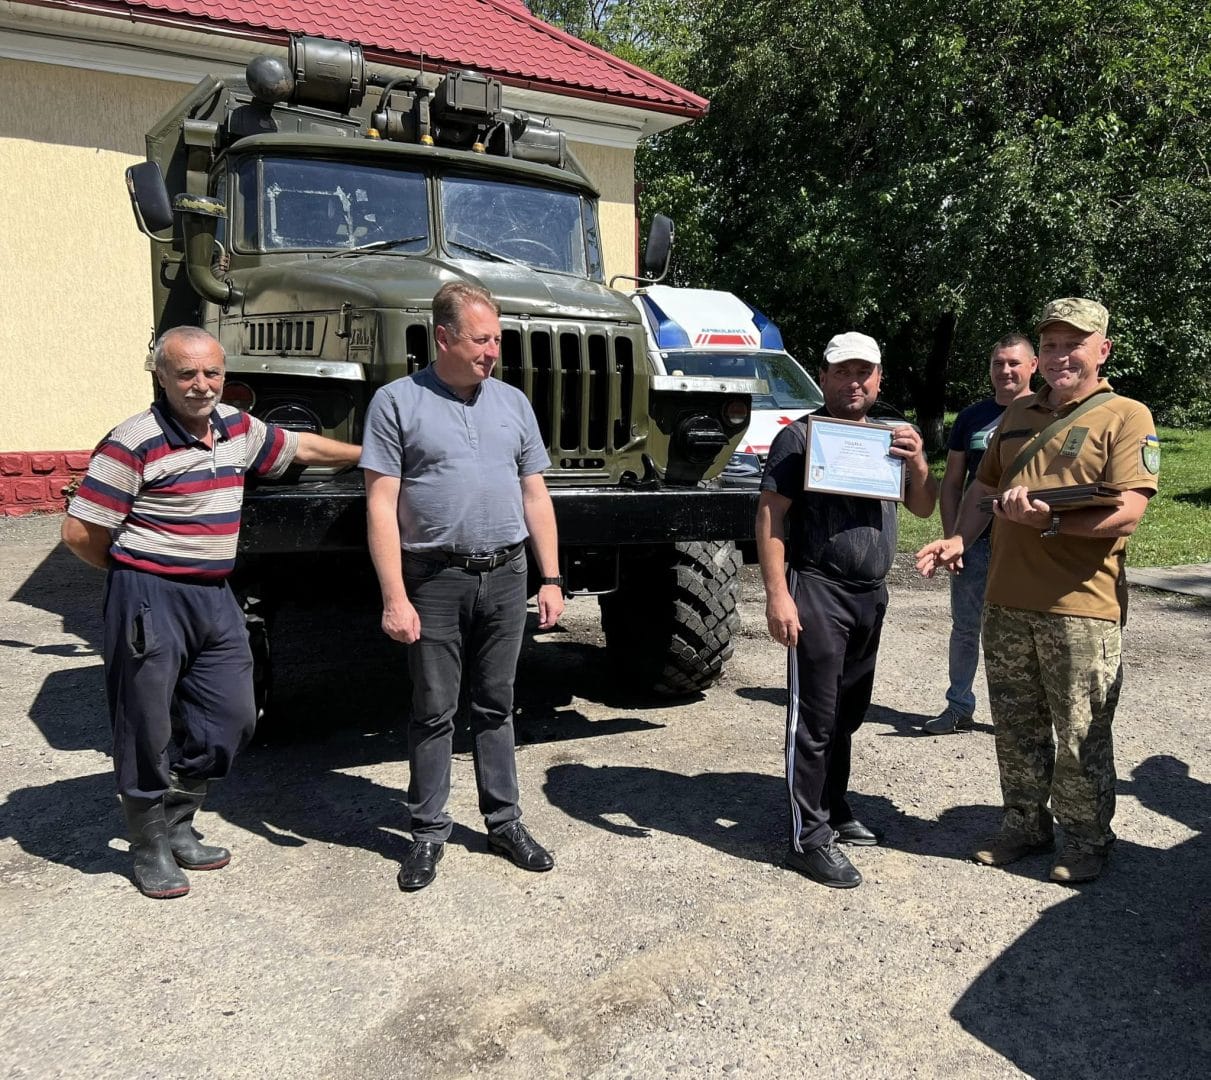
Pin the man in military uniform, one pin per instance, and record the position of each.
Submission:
(1054, 600)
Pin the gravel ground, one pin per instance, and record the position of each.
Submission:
(668, 942)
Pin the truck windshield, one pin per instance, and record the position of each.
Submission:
(544, 228)
(310, 204)
(789, 386)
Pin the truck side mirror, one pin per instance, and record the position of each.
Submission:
(656, 256)
(659, 249)
(149, 198)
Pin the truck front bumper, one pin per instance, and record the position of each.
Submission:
(330, 515)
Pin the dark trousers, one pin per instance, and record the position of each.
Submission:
(178, 674)
(830, 675)
(470, 622)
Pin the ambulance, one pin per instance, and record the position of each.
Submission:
(703, 332)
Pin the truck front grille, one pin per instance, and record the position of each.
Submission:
(580, 380)
(296, 337)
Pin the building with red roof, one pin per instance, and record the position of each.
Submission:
(83, 80)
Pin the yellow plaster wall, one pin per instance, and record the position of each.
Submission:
(613, 171)
(75, 299)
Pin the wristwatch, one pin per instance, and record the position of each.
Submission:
(1054, 528)
(551, 581)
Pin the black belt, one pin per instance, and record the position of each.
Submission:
(475, 560)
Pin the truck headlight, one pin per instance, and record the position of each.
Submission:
(293, 417)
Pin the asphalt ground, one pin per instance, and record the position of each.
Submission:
(668, 941)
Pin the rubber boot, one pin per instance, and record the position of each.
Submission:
(156, 872)
(183, 801)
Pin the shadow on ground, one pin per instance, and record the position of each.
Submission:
(339, 705)
(1116, 979)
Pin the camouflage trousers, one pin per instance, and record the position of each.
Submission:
(1058, 672)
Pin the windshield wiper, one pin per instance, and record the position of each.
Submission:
(375, 245)
(484, 253)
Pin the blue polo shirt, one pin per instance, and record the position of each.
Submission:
(970, 436)
(460, 463)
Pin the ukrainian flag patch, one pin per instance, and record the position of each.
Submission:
(1150, 454)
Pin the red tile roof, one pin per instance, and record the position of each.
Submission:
(497, 37)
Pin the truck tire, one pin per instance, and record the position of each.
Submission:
(670, 625)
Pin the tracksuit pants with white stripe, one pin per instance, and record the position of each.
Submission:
(830, 676)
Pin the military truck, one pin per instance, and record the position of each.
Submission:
(305, 215)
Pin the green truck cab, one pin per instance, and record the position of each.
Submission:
(309, 231)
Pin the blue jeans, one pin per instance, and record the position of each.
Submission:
(966, 611)
(472, 618)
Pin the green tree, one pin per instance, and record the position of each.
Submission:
(653, 34)
(931, 172)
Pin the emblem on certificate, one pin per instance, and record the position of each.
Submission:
(849, 458)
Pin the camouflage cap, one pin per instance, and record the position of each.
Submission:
(1087, 315)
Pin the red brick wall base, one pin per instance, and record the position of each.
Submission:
(34, 481)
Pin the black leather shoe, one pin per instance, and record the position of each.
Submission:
(420, 865)
(515, 842)
(826, 865)
(854, 832)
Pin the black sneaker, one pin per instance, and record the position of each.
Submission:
(825, 865)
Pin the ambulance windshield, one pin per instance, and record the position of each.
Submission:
(789, 386)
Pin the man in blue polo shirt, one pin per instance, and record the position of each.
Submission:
(1010, 368)
(453, 462)
(159, 509)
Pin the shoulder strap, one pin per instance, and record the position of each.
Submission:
(1053, 429)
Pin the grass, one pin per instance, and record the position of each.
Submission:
(1177, 527)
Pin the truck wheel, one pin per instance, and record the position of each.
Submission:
(670, 624)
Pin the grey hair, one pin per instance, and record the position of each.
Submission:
(159, 351)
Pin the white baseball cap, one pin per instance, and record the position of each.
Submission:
(852, 346)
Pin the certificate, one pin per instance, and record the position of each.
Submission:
(849, 458)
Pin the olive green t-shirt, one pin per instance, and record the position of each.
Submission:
(1113, 443)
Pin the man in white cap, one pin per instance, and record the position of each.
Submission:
(824, 561)
(1055, 598)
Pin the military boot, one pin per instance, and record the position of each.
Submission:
(156, 872)
(1008, 847)
(183, 801)
(1076, 865)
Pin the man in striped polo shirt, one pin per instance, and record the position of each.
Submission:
(160, 511)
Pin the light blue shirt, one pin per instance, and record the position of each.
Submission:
(460, 463)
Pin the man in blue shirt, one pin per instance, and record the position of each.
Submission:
(1012, 364)
(453, 461)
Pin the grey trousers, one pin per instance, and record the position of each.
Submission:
(471, 625)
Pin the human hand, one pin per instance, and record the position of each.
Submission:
(906, 442)
(782, 619)
(401, 622)
(941, 555)
(1016, 505)
(550, 606)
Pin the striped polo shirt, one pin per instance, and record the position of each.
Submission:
(172, 503)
